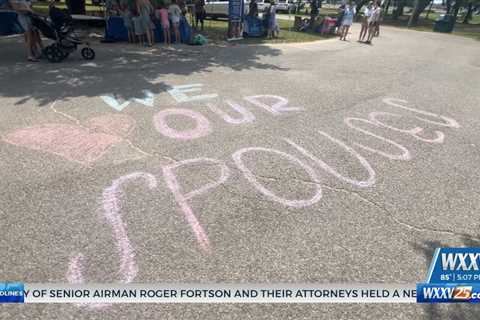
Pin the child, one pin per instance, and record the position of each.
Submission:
(145, 10)
(162, 15)
(199, 12)
(138, 27)
(128, 23)
(175, 13)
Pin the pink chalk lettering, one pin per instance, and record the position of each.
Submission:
(276, 108)
(405, 155)
(237, 158)
(114, 124)
(373, 116)
(448, 122)
(182, 198)
(75, 276)
(71, 142)
(359, 183)
(202, 124)
(112, 212)
(246, 115)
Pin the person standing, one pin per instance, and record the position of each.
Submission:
(366, 14)
(127, 22)
(163, 16)
(373, 21)
(253, 8)
(338, 24)
(314, 12)
(138, 27)
(272, 20)
(379, 22)
(175, 14)
(347, 20)
(199, 12)
(23, 10)
(183, 7)
(145, 10)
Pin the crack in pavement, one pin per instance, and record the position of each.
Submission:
(390, 215)
(401, 223)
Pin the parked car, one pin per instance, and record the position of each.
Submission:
(219, 8)
(286, 6)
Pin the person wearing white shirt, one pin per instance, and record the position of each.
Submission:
(175, 14)
(373, 21)
(366, 14)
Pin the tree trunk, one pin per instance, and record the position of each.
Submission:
(468, 16)
(386, 6)
(429, 9)
(414, 15)
(419, 7)
(456, 8)
(398, 12)
(360, 4)
(449, 6)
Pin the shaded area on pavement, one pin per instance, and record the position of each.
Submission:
(75, 77)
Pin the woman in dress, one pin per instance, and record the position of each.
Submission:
(347, 20)
(272, 20)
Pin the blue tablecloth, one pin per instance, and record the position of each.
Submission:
(9, 24)
(253, 27)
(116, 30)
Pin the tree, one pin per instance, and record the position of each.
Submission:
(387, 6)
(398, 12)
(449, 6)
(456, 7)
(419, 6)
(360, 4)
(429, 9)
(470, 6)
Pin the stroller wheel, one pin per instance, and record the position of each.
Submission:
(88, 53)
(54, 54)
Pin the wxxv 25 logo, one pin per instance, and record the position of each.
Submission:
(454, 276)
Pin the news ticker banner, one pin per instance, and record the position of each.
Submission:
(453, 277)
(206, 293)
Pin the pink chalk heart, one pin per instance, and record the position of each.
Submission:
(115, 124)
(68, 141)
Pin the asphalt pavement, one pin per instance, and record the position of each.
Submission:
(322, 162)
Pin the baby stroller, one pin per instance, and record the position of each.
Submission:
(59, 27)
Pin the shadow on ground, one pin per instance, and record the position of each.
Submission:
(120, 69)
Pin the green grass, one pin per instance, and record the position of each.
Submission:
(216, 31)
(470, 30)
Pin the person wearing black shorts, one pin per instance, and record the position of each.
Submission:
(199, 12)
